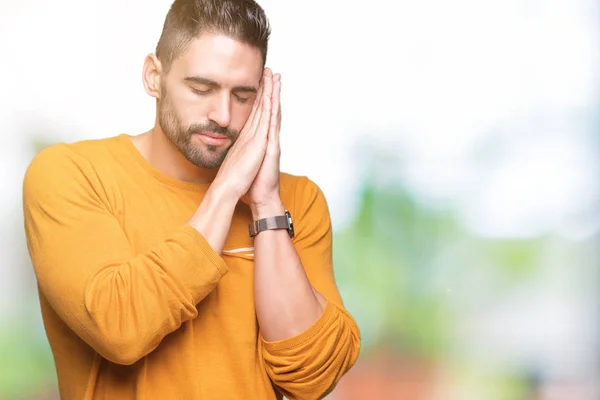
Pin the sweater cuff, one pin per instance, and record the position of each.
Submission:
(207, 249)
(204, 267)
(329, 313)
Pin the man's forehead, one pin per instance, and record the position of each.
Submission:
(220, 59)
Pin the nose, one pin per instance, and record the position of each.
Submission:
(220, 111)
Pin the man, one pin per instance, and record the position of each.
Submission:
(167, 263)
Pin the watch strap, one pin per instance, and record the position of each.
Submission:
(268, 223)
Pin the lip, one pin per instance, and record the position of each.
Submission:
(212, 139)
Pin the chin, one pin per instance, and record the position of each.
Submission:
(210, 161)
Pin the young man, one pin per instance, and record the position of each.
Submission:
(168, 264)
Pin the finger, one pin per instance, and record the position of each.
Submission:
(267, 96)
(257, 111)
(254, 116)
(259, 103)
(275, 111)
(256, 104)
(263, 127)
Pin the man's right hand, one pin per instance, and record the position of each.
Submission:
(243, 161)
(241, 165)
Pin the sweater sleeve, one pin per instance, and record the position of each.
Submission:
(309, 365)
(121, 303)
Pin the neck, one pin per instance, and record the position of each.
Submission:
(166, 157)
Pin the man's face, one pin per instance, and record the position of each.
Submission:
(207, 97)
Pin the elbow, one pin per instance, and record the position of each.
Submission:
(309, 375)
(120, 326)
(353, 348)
(125, 360)
(122, 340)
(124, 349)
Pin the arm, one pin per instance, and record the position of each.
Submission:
(279, 274)
(308, 339)
(121, 303)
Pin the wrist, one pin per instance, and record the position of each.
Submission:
(268, 209)
(222, 195)
(222, 191)
(213, 217)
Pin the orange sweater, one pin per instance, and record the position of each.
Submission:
(137, 305)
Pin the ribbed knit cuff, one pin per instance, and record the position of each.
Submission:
(329, 313)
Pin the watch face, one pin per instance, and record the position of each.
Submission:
(290, 224)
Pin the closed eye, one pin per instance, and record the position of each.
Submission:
(201, 92)
(241, 99)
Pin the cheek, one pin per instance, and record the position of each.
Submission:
(189, 108)
(241, 112)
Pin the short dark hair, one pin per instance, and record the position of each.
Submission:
(242, 20)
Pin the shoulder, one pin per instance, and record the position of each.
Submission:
(62, 165)
(294, 185)
(302, 192)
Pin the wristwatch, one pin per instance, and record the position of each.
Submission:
(278, 222)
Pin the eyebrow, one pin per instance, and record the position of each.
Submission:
(217, 85)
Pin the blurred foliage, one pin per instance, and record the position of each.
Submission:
(406, 269)
(27, 368)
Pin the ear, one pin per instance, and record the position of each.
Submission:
(151, 75)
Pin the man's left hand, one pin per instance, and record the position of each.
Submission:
(263, 196)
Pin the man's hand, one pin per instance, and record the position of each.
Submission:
(213, 217)
(263, 195)
(243, 161)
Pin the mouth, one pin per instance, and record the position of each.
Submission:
(213, 139)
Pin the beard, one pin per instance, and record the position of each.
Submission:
(201, 155)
